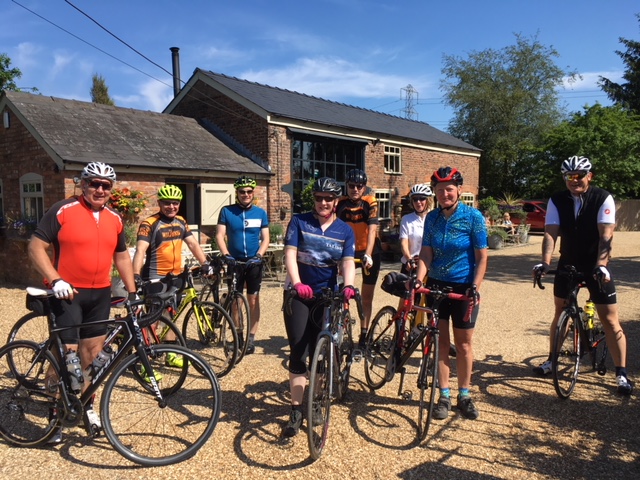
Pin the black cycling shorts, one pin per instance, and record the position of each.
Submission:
(370, 278)
(251, 276)
(605, 297)
(454, 309)
(302, 330)
(88, 306)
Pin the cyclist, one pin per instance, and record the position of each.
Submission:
(454, 252)
(316, 244)
(584, 217)
(159, 247)
(360, 211)
(87, 237)
(412, 224)
(243, 235)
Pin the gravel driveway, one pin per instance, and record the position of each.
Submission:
(524, 430)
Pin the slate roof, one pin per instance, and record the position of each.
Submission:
(294, 105)
(82, 132)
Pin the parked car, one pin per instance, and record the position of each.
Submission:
(536, 213)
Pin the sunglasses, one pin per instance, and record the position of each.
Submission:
(568, 177)
(322, 198)
(419, 199)
(353, 186)
(95, 184)
(170, 203)
(245, 192)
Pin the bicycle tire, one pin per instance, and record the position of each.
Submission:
(27, 395)
(598, 352)
(157, 332)
(153, 433)
(237, 306)
(32, 326)
(565, 358)
(319, 397)
(380, 346)
(344, 358)
(427, 383)
(215, 338)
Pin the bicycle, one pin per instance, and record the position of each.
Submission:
(207, 328)
(575, 336)
(234, 302)
(151, 414)
(333, 355)
(390, 344)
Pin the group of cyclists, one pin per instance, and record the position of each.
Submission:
(446, 245)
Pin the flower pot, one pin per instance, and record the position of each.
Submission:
(495, 241)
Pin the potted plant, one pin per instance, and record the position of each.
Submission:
(496, 237)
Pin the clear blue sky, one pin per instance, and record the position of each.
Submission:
(358, 52)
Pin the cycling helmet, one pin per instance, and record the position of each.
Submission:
(421, 189)
(446, 174)
(169, 192)
(327, 185)
(98, 170)
(576, 164)
(244, 181)
(356, 176)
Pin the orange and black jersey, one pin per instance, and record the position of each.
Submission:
(165, 237)
(84, 241)
(359, 215)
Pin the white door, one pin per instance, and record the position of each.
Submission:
(214, 196)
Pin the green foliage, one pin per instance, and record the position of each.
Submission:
(627, 94)
(501, 232)
(276, 233)
(306, 196)
(100, 91)
(8, 76)
(504, 101)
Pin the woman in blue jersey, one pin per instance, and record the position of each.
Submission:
(316, 244)
(454, 252)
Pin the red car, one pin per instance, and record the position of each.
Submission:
(536, 213)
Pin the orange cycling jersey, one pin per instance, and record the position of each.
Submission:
(359, 215)
(165, 237)
(84, 241)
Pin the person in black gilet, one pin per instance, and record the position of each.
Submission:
(584, 217)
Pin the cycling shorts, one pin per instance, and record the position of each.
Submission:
(370, 278)
(251, 276)
(88, 306)
(454, 309)
(605, 297)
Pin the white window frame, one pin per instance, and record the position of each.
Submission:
(32, 187)
(468, 199)
(384, 197)
(392, 160)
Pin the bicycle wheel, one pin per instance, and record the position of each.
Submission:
(566, 355)
(381, 341)
(344, 358)
(427, 383)
(28, 387)
(162, 331)
(319, 397)
(32, 327)
(155, 433)
(238, 309)
(209, 331)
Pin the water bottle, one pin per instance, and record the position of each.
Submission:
(75, 371)
(100, 361)
(590, 311)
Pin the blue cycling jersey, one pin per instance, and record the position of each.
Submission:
(454, 241)
(319, 253)
(243, 229)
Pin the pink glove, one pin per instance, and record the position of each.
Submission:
(348, 292)
(305, 292)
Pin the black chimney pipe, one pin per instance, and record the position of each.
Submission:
(175, 60)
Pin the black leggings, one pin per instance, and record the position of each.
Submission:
(302, 331)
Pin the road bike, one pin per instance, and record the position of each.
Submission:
(394, 335)
(575, 336)
(333, 354)
(151, 413)
(233, 301)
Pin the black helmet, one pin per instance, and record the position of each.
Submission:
(327, 185)
(446, 174)
(356, 176)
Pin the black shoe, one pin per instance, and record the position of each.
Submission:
(241, 342)
(625, 387)
(544, 368)
(294, 424)
(442, 408)
(251, 348)
(467, 408)
(362, 343)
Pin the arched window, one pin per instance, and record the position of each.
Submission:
(31, 196)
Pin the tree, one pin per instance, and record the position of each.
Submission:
(8, 76)
(608, 136)
(100, 91)
(626, 94)
(504, 102)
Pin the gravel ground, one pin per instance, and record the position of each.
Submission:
(523, 431)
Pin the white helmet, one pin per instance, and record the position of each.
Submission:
(98, 170)
(576, 164)
(421, 189)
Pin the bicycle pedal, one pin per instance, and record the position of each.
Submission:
(407, 395)
(357, 355)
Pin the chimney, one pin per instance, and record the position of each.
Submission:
(175, 61)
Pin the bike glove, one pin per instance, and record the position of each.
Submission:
(348, 292)
(367, 261)
(138, 280)
(305, 292)
(206, 269)
(602, 272)
(61, 289)
(473, 294)
(257, 260)
(229, 260)
(541, 268)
